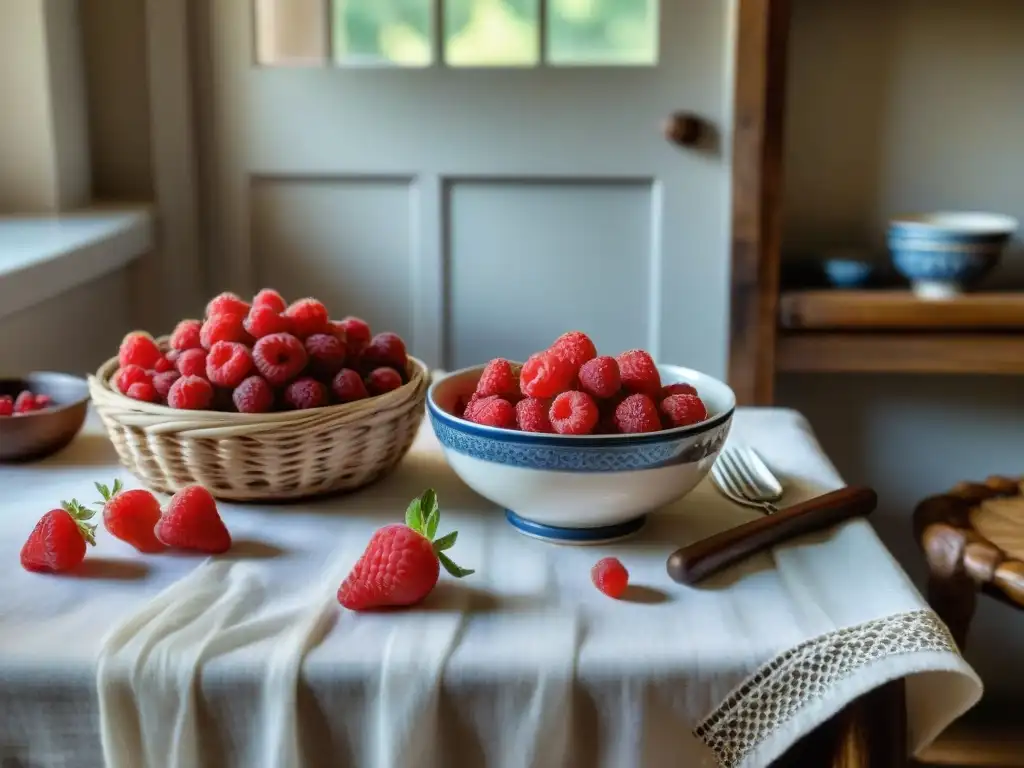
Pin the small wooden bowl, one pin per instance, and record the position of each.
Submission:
(41, 433)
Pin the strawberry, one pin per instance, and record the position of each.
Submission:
(402, 562)
(57, 543)
(191, 521)
(131, 516)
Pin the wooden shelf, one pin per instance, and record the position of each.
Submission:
(900, 310)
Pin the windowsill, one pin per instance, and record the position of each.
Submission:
(44, 256)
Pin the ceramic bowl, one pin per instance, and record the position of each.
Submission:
(580, 489)
(847, 272)
(941, 254)
(41, 433)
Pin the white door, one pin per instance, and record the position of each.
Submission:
(477, 175)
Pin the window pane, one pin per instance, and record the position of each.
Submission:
(390, 32)
(603, 31)
(290, 32)
(491, 33)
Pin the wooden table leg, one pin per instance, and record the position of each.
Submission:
(872, 731)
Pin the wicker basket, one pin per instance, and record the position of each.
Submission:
(264, 457)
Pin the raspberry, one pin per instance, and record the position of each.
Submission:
(223, 328)
(336, 329)
(163, 365)
(610, 576)
(162, 382)
(226, 304)
(381, 380)
(532, 415)
(573, 413)
(263, 321)
(305, 393)
(186, 335)
(228, 363)
(576, 347)
(173, 355)
(357, 332)
(279, 358)
(43, 401)
(545, 375)
(600, 377)
(307, 316)
(25, 402)
(124, 377)
(677, 389)
(6, 405)
(144, 391)
(639, 373)
(192, 362)
(138, 348)
(268, 297)
(491, 411)
(637, 413)
(683, 410)
(326, 353)
(385, 350)
(190, 393)
(498, 378)
(253, 395)
(348, 386)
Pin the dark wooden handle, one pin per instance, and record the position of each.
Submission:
(684, 129)
(699, 560)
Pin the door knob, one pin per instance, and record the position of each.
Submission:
(684, 129)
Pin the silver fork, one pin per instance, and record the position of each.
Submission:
(742, 476)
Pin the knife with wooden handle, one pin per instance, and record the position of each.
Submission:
(696, 562)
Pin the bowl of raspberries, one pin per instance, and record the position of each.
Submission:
(262, 400)
(40, 413)
(577, 447)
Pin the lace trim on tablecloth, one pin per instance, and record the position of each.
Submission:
(773, 694)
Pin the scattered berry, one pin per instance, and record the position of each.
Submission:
(498, 378)
(599, 377)
(6, 405)
(545, 375)
(25, 402)
(326, 353)
(401, 563)
(163, 365)
(254, 395)
(192, 362)
(573, 413)
(162, 382)
(124, 377)
(385, 350)
(186, 335)
(191, 521)
(305, 393)
(263, 321)
(610, 576)
(532, 415)
(222, 328)
(307, 316)
(57, 543)
(268, 297)
(357, 332)
(381, 380)
(190, 393)
(143, 391)
(348, 386)
(228, 364)
(678, 388)
(491, 411)
(138, 348)
(131, 516)
(683, 410)
(639, 373)
(575, 347)
(279, 358)
(637, 413)
(226, 304)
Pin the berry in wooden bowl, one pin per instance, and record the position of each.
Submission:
(40, 413)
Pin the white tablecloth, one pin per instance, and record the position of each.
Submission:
(247, 659)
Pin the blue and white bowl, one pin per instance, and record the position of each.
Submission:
(580, 489)
(943, 253)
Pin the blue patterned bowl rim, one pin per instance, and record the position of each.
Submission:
(957, 223)
(670, 374)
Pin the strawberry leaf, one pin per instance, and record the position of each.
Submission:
(117, 487)
(414, 515)
(452, 568)
(446, 542)
(81, 514)
(431, 512)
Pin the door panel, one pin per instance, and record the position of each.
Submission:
(481, 210)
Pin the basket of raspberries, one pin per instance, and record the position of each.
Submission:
(568, 389)
(262, 400)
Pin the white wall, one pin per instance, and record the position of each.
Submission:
(900, 105)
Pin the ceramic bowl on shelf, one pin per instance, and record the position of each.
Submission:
(941, 254)
(41, 433)
(845, 272)
(579, 489)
